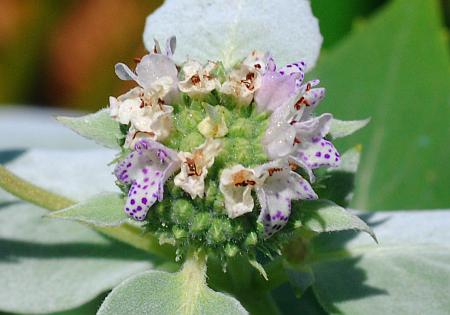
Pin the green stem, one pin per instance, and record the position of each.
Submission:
(125, 233)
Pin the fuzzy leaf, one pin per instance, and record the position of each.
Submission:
(325, 216)
(99, 127)
(163, 293)
(407, 273)
(48, 266)
(344, 128)
(105, 209)
(230, 30)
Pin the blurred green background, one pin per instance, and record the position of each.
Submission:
(385, 59)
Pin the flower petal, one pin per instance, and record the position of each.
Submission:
(153, 67)
(276, 194)
(124, 72)
(315, 155)
(146, 169)
(236, 185)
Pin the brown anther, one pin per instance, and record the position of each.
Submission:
(155, 50)
(293, 166)
(273, 170)
(195, 79)
(293, 121)
(296, 141)
(149, 133)
(302, 101)
(160, 103)
(248, 82)
(243, 178)
(137, 59)
(257, 66)
(192, 168)
(308, 87)
(142, 104)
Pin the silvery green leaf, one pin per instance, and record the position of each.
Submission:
(344, 128)
(408, 272)
(76, 174)
(325, 216)
(230, 30)
(48, 266)
(164, 293)
(105, 209)
(99, 127)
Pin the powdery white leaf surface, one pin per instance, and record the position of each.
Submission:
(325, 216)
(48, 265)
(76, 174)
(230, 30)
(104, 209)
(344, 128)
(162, 293)
(99, 127)
(407, 273)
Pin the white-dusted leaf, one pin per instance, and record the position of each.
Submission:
(344, 128)
(230, 30)
(99, 127)
(325, 216)
(407, 273)
(162, 293)
(76, 174)
(48, 266)
(105, 209)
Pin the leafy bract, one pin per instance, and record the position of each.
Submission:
(384, 70)
(343, 128)
(407, 273)
(99, 127)
(230, 30)
(183, 293)
(48, 266)
(325, 216)
(105, 209)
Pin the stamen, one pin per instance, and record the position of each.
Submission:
(293, 166)
(137, 59)
(274, 170)
(195, 79)
(243, 178)
(192, 168)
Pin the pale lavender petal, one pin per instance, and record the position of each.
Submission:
(314, 129)
(147, 169)
(124, 72)
(315, 155)
(154, 66)
(275, 91)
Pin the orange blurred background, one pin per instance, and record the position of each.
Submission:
(62, 53)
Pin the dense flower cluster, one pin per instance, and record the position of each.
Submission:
(214, 140)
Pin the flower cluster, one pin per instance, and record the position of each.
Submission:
(202, 143)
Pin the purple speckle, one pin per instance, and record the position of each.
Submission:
(132, 201)
(144, 201)
(318, 154)
(139, 208)
(327, 156)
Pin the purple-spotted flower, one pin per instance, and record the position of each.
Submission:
(278, 87)
(146, 169)
(295, 133)
(278, 186)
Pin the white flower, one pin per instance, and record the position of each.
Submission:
(195, 167)
(121, 108)
(244, 81)
(198, 79)
(236, 185)
(214, 125)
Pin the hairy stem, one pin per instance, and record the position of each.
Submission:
(36, 195)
